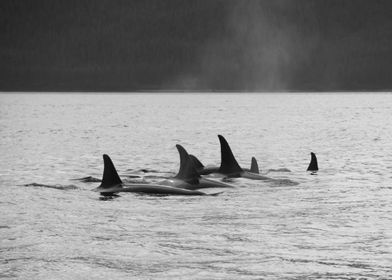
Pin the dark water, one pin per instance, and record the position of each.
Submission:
(333, 225)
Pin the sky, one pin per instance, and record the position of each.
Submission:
(196, 45)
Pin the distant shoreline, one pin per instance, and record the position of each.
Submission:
(198, 92)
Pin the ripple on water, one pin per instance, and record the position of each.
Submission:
(330, 226)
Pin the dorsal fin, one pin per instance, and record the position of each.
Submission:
(196, 162)
(229, 164)
(110, 176)
(254, 167)
(313, 166)
(187, 169)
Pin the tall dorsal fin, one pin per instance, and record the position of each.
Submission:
(196, 162)
(313, 166)
(187, 169)
(254, 167)
(110, 176)
(229, 164)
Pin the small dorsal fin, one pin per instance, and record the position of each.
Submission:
(187, 169)
(254, 167)
(196, 162)
(313, 166)
(229, 164)
(110, 176)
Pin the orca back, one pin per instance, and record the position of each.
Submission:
(229, 164)
(187, 170)
(254, 167)
(110, 176)
(313, 166)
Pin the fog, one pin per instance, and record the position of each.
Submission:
(196, 45)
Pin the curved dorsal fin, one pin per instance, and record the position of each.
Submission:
(313, 166)
(110, 176)
(196, 162)
(187, 169)
(229, 164)
(254, 167)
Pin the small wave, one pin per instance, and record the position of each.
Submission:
(152, 177)
(283, 182)
(330, 263)
(132, 176)
(279, 170)
(108, 198)
(57, 186)
(88, 179)
(144, 170)
(132, 180)
(228, 180)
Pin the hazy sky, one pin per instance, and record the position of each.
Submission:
(242, 45)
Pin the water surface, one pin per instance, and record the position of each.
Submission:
(333, 225)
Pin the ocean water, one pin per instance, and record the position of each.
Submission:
(333, 225)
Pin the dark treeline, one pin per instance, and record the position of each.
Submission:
(247, 45)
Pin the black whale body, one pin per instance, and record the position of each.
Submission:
(186, 182)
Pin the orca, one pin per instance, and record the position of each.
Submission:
(186, 182)
(313, 166)
(112, 184)
(201, 169)
(229, 166)
(254, 167)
(57, 186)
(190, 176)
(206, 170)
(196, 162)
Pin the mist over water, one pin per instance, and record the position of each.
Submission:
(283, 45)
(333, 225)
(255, 50)
(262, 46)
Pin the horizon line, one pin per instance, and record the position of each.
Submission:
(164, 91)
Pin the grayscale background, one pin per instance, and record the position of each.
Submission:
(279, 79)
